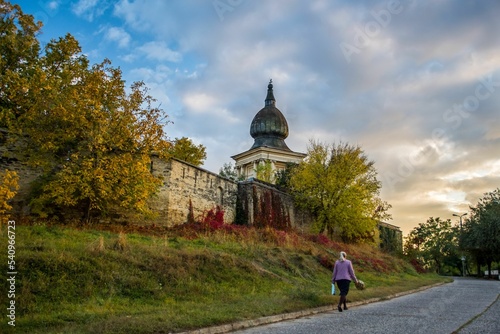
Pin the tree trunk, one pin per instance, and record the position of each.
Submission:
(87, 213)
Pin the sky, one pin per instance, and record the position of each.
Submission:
(415, 84)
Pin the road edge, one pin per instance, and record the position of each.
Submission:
(295, 315)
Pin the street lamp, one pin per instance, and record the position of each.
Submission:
(463, 257)
(460, 216)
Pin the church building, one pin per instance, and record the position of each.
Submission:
(269, 129)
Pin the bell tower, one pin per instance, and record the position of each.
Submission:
(269, 129)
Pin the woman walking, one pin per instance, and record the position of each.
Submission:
(343, 272)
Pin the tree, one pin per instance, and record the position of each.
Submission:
(229, 171)
(19, 51)
(264, 171)
(184, 149)
(283, 176)
(339, 185)
(90, 138)
(8, 189)
(433, 244)
(481, 231)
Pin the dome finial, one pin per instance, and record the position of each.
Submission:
(269, 127)
(270, 100)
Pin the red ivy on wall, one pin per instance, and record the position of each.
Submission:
(269, 210)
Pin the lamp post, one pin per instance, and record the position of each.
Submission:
(460, 243)
(460, 216)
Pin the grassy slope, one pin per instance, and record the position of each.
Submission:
(91, 281)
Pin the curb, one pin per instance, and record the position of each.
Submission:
(295, 315)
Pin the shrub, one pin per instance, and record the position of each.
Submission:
(326, 261)
(418, 266)
(8, 189)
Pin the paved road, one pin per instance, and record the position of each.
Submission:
(464, 306)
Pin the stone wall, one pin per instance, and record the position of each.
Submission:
(186, 186)
(260, 204)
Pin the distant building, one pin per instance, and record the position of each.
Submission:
(269, 129)
(391, 237)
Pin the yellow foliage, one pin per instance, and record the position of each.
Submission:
(338, 183)
(90, 137)
(8, 189)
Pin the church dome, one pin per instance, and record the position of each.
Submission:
(269, 127)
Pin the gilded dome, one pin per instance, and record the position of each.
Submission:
(269, 127)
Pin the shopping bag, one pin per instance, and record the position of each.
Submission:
(333, 289)
(360, 285)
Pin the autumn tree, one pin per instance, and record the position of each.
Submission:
(184, 149)
(19, 50)
(91, 139)
(8, 189)
(339, 185)
(481, 231)
(434, 244)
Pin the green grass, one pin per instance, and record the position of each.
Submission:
(96, 281)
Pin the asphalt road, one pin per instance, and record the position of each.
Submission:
(463, 306)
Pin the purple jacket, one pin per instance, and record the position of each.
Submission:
(343, 270)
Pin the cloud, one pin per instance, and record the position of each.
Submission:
(413, 96)
(118, 35)
(159, 51)
(419, 92)
(90, 9)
